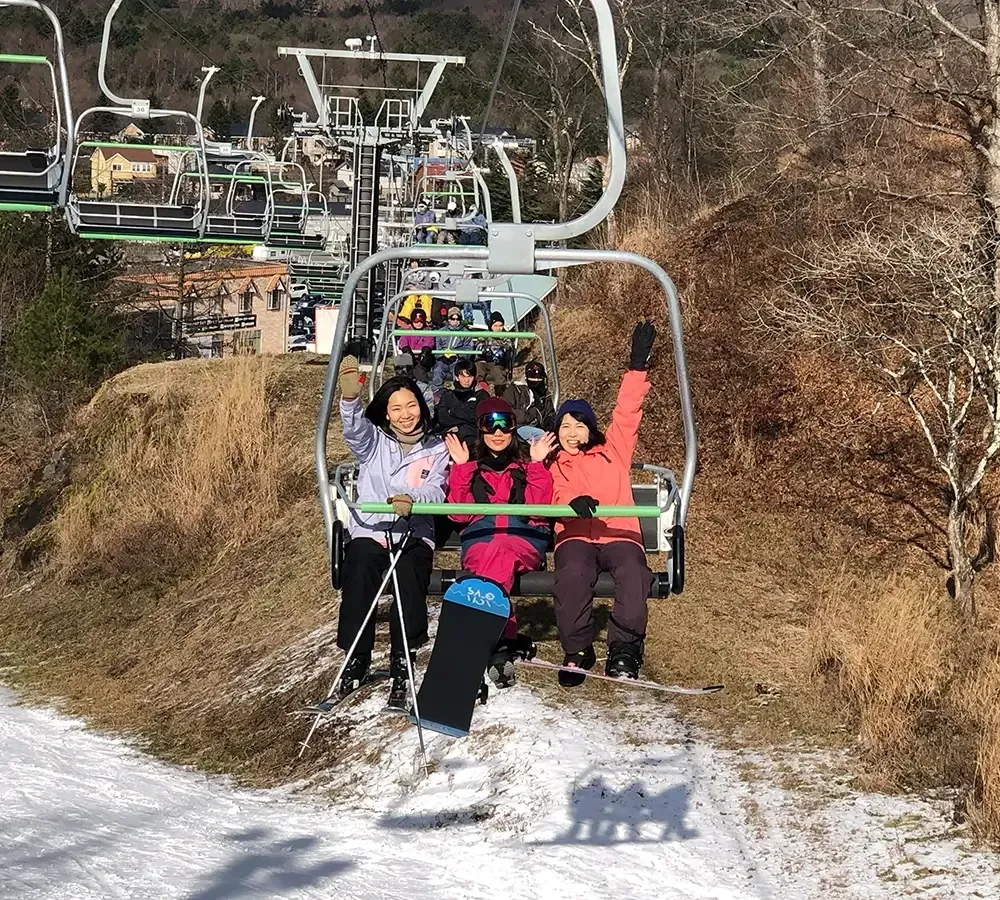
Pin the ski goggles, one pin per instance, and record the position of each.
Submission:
(497, 421)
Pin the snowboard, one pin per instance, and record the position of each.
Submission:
(327, 706)
(626, 682)
(473, 614)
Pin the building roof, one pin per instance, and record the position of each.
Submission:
(132, 154)
(230, 279)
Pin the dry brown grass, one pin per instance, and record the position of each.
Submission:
(197, 467)
(979, 699)
(891, 647)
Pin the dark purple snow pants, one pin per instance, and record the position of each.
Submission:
(578, 563)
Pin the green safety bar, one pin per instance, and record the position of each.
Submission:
(447, 353)
(25, 207)
(169, 239)
(493, 335)
(541, 510)
(120, 145)
(22, 58)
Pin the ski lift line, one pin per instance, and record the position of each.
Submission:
(511, 21)
(393, 304)
(541, 510)
(476, 332)
(190, 43)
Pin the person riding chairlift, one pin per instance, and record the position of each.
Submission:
(423, 217)
(413, 341)
(589, 471)
(500, 547)
(399, 462)
(456, 410)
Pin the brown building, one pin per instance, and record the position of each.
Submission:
(227, 309)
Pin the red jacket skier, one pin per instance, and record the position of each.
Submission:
(500, 547)
(591, 470)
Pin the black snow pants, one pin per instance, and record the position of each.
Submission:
(577, 565)
(365, 565)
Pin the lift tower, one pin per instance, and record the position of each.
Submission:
(397, 124)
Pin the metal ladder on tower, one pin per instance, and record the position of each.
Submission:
(364, 231)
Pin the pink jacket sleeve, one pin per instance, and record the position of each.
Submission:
(539, 487)
(623, 434)
(460, 488)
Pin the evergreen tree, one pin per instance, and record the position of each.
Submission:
(65, 343)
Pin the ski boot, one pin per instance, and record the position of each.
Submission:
(583, 659)
(355, 674)
(624, 660)
(399, 688)
(501, 665)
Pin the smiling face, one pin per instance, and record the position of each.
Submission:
(497, 441)
(573, 434)
(403, 411)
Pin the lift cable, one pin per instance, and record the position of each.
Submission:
(496, 77)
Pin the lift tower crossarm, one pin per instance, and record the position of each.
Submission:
(302, 55)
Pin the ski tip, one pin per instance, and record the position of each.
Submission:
(713, 688)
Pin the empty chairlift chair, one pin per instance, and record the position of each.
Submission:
(35, 180)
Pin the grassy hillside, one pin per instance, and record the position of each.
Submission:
(164, 572)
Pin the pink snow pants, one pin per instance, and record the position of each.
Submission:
(500, 559)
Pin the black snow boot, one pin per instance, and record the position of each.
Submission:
(355, 674)
(624, 660)
(399, 689)
(501, 666)
(584, 659)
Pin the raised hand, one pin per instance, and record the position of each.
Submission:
(350, 382)
(642, 345)
(543, 446)
(457, 449)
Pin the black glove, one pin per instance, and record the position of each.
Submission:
(642, 345)
(584, 506)
(426, 358)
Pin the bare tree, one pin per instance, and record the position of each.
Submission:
(915, 309)
(558, 93)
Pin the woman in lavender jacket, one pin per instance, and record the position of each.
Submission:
(402, 463)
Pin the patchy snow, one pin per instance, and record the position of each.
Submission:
(537, 803)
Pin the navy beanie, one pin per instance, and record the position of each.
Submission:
(580, 410)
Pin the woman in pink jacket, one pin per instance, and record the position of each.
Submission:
(500, 547)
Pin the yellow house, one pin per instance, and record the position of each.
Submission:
(117, 165)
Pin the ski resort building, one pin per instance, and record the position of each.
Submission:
(218, 311)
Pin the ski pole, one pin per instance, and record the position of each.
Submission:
(390, 572)
(409, 662)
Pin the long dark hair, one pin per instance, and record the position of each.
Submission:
(377, 412)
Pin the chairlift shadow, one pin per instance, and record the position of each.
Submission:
(604, 816)
(265, 865)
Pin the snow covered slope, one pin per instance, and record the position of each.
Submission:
(537, 803)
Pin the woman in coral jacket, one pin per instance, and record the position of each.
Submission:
(591, 470)
(500, 547)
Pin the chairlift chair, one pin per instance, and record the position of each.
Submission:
(525, 249)
(36, 180)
